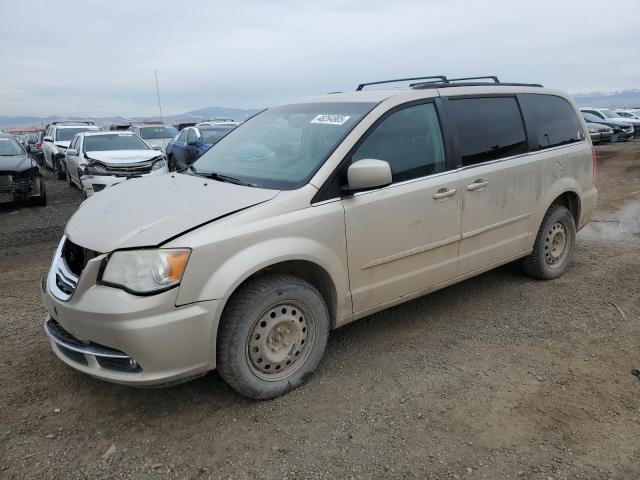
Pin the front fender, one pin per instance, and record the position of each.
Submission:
(229, 275)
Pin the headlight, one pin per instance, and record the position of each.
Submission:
(593, 130)
(158, 164)
(146, 271)
(97, 169)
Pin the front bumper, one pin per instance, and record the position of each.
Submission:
(123, 338)
(96, 183)
(18, 187)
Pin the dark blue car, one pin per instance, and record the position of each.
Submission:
(193, 142)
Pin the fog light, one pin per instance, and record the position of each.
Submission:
(97, 187)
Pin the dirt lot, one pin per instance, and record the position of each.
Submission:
(500, 376)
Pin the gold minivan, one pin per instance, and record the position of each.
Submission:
(311, 215)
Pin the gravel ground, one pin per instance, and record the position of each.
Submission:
(500, 376)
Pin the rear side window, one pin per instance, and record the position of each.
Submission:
(489, 128)
(554, 122)
(183, 136)
(410, 140)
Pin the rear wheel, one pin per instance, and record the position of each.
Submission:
(272, 336)
(554, 245)
(58, 169)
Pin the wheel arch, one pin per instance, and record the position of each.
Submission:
(308, 270)
(565, 193)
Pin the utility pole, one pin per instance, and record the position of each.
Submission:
(158, 92)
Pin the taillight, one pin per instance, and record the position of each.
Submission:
(594, 162)
(39, 145)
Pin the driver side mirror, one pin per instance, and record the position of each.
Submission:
(47, 139)
(156, 147)
(367, 174)
(71, 152)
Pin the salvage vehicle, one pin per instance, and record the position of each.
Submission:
(57, 139)
(20, 175)
(193, 142)
(621, 131)
(309, 216)
(155, 135)
(97, 160)
(599, 132)
(610, 116)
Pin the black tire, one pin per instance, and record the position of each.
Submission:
(549, 259)
(68, 177)
(58, 170)
(171, 162)
(41, 200)
(280, 300)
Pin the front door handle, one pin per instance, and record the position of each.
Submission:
(478, 184)
(445, 193)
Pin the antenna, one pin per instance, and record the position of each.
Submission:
(158, 92)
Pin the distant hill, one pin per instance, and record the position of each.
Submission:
(618, 99)
(198, 115)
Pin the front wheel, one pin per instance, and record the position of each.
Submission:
(272, 336)
(554, 245)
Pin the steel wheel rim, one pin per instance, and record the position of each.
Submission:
(556, 245)
(280, 340)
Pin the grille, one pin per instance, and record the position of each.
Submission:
(75, 349)
(118, 364)
(130, 170)
(73, 355)
(68, 266)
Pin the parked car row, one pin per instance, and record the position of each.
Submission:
(611, 126)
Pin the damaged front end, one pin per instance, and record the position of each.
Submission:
(23, 186)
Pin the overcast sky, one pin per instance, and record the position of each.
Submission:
(97, 58)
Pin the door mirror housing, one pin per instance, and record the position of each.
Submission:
(156, 147)
(71, 152)
(47, 139)
(367, 174)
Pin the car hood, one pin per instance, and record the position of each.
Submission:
(62, 144)
(598, 126)
(149, 211)
(16, 163)
(617, 122)
(115, 157)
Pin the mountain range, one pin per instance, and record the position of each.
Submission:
(615, 99)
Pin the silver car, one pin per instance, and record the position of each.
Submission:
(312, 215)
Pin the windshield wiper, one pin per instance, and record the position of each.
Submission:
(221, 177)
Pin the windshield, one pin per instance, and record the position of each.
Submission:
(66, 134)
(211, 136)
(609, 114)
(150, 133)
(591, 118)
(282, 147)
(117, 141)
(10, 147)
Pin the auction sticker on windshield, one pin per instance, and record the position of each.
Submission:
(326, 119)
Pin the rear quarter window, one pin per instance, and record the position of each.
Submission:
(489, 128)
(552, 121)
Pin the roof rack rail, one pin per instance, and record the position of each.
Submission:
(465, 82)
(361, 86)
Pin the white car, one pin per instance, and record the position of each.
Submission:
(159, 135)
(57, 140)
(97, 160)
(613, 117)
(628, 114)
